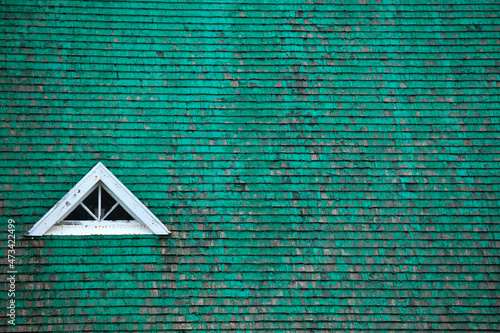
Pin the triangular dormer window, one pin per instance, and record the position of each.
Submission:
(98, 205)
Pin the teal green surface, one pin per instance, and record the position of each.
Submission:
(326, 166)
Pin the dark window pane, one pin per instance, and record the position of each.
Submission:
(91, 201)
(119, 214)
(107, 202)
(79, 214)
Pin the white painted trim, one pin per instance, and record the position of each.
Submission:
(72, 230)
(89, 211)
(122, 195)
(110, 210)
(99, 204)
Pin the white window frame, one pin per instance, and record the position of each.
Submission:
(145, 222)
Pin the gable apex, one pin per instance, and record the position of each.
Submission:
(100, 176)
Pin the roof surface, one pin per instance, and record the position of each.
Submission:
(322, 165)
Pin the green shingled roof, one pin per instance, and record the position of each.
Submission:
(324, 166)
